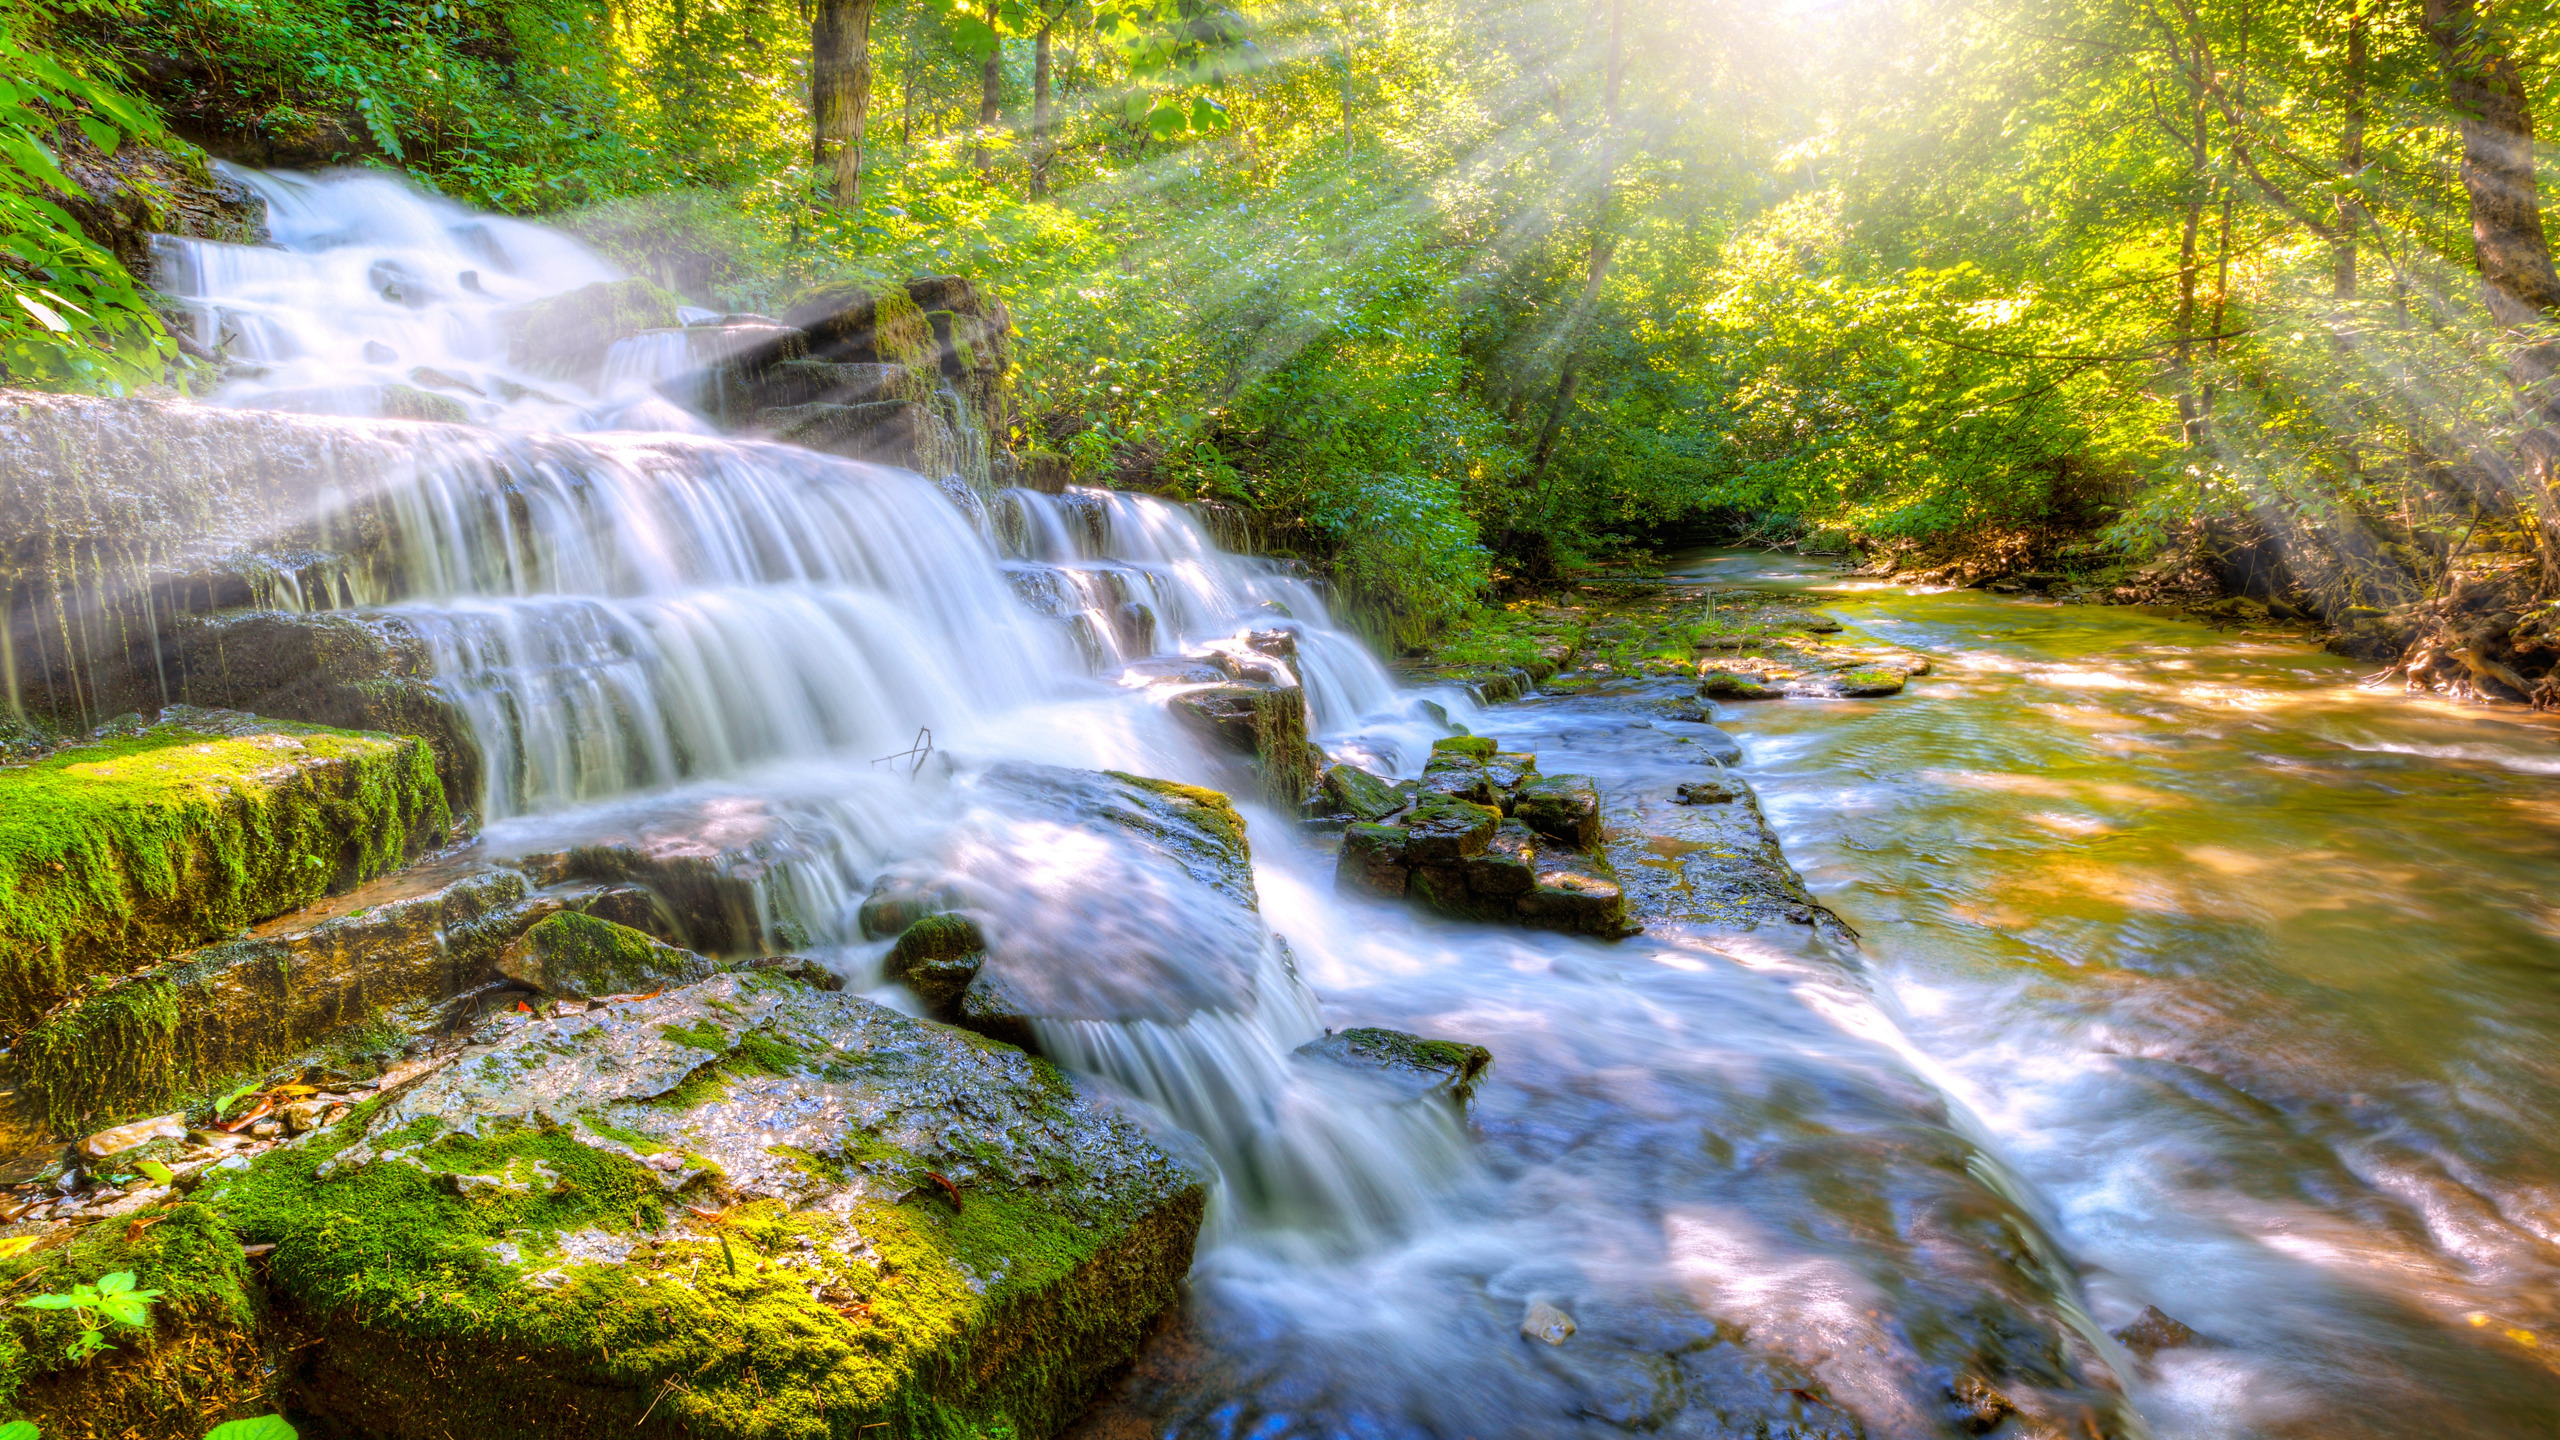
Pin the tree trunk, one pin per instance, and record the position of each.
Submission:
(840, 94)
(1040, 110)
(1596, 258)
(2508, 243)
(990, 97)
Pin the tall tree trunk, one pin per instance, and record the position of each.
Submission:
(1040, 109)
(990, 97)
(2190, 256)
(2508, 243)
(1603, 249)
(907, 86)
(840, 94)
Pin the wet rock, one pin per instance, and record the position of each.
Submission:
(1862, 682)
(1545, 1324)
(834, 1208)
(889, 432)
(2154, 1331)
(1565, 807)
(1440, 1071)
(1443, 828)
(1372, 861)
(1472, 747)
(124, 850)
(1706, 792)
(1494, 780)
(1352, 791)
(700, 864)
(566, 336)
(1507, 868)
(1266, 722)
(937, 957)
(1575, 891)
(1715, 746)
(120, 1139)
(898, 901)
(579, 957)
(122, 200)
(809, 382)
(1725, 685)
(184, 1026)
(851, 324)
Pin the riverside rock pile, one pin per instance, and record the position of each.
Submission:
(1483, 836)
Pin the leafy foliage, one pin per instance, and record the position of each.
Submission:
(113, 1300)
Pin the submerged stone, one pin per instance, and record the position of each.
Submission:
(133, 847)
(1446, 1071)
(579, 957)
(824, 1215)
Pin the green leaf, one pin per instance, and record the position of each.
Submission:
(160, 1174)
(49, 1302)
(18, 1430)
(128, 1309)
(115, 1282)
(265, 1427)
(44, 314)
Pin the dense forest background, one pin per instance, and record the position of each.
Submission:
(1445, 296)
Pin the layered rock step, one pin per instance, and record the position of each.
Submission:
(1483, 836)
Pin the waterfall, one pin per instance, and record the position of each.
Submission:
(646, 625)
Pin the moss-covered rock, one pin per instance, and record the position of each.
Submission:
(1725, 685)
(743, 1209)
(179, 1029)
(1473, 747)
(127, 849)
(1352, 791)
(855, 324)
(1566, 807)
(201, 1358)
(1266, 722)
(566, 336)
(579, 957)
(1442, 1071)
(937, 957)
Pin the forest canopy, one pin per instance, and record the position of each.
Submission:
(1438, 293)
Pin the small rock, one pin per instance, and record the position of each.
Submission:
(378, 353)
(304, 1116)
(937, 957)
(1706, 792)
(125, 1137)
(1442, 1070)
(578, 957)
(1355, 792)
(2153, 1331)
(1545, 1323)
(267, 1129)
(1725, 685)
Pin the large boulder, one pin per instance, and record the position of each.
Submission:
(1265, 722)
(745, 1210)
(152, 840)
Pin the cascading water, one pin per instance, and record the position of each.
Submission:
(651, 620)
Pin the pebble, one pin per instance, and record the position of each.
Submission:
(125, 1137)
(1545, 1323)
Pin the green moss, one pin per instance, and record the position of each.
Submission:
(201, 1347)
(935, 1322)
(133, 848)
(571, 953)
(1207, 809)
(94, 1059)
(706, 1036)
(1471, 747)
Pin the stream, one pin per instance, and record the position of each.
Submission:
(2192, 975)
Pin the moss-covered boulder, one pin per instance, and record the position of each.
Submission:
(745, 1209)
(566, 336)
(133, 847)
(1352, 791)
(937, 957)
(578, 957)
(1437, 1071)
(1726, 685)
(1566, 807)
(1454, 849)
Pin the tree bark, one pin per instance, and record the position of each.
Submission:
(840, 94)
(1040, 109)
(990, 97)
